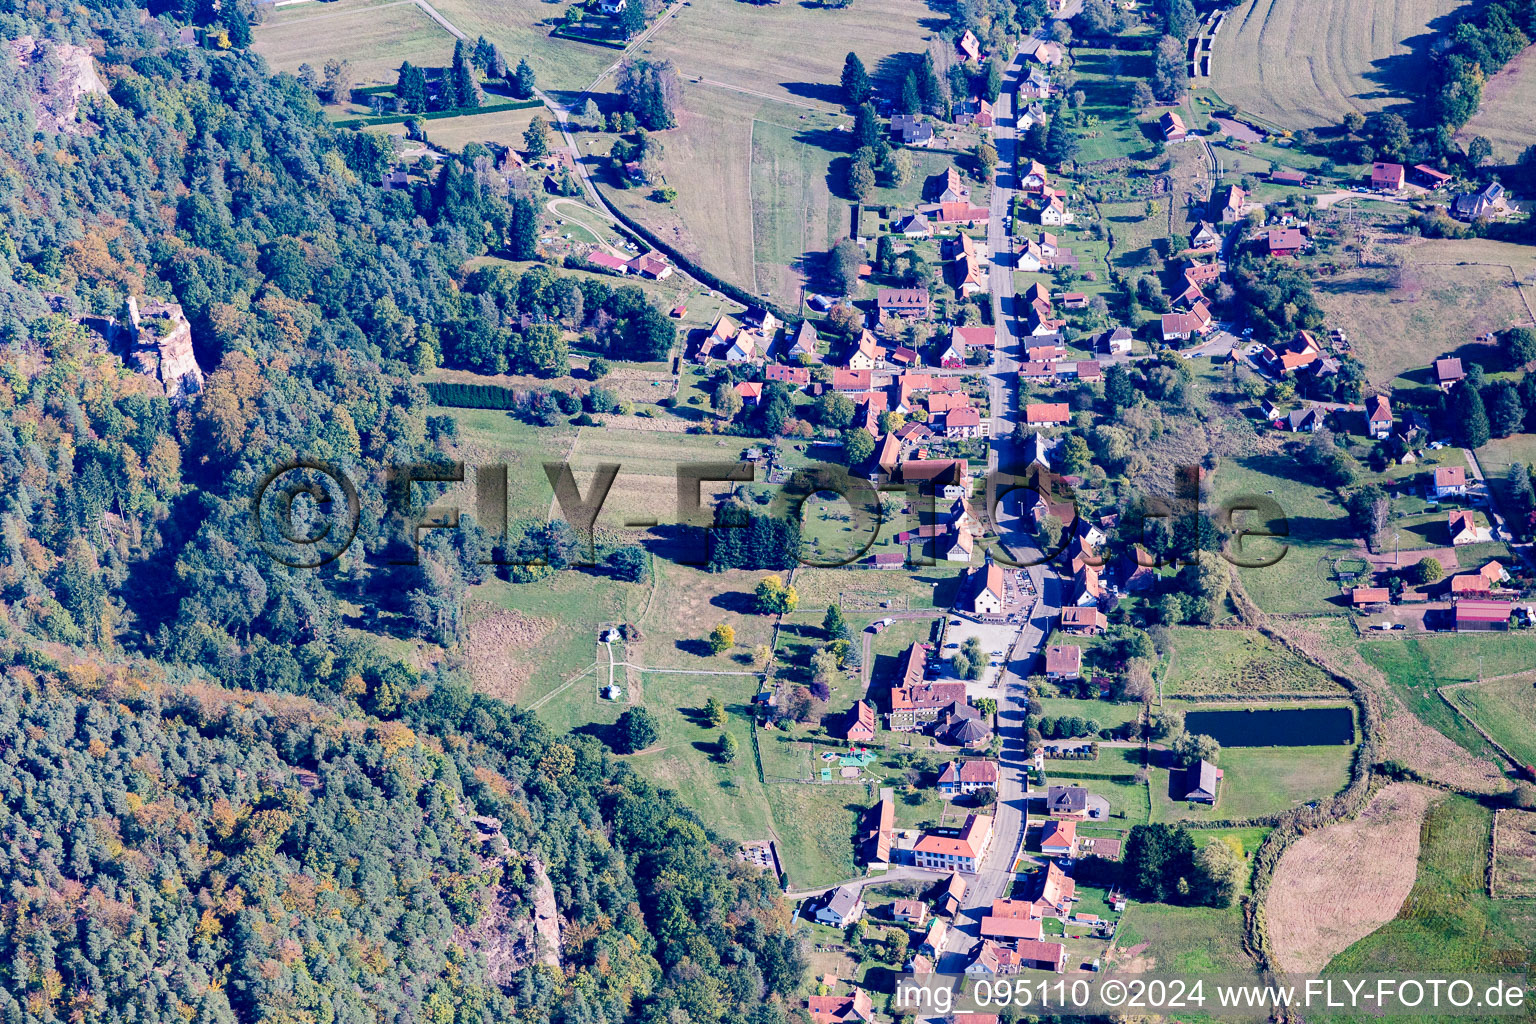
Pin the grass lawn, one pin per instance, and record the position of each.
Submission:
(489, 437)
(817, 825)
(1448, 922)
(1118, 132)
(1319, 531)
(1506, 710)
(1106, 713)
(1188, 941)
(1231, 661)
(374, 38)
(1502, 452)
(1111, 761)
(504, 127)
(793, 213)
(1260, 781)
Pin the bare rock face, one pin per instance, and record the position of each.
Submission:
(64, 73)
(159, 340)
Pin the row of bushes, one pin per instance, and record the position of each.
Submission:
(562, 33)
(433, 115)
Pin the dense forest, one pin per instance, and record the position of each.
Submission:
(219, 800)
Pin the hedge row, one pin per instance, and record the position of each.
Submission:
(560, 33)
(433, 115)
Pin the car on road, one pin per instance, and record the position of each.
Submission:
(948, 646)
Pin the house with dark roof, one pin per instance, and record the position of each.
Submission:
(843, 907)
(1201, 781)
(962, 778)
(1285, 241)
(1066, 800)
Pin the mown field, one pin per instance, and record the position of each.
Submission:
(1504, 116)
(1506, 710)
(1448, 921)
(1238, 662)
(1106, 76)
(1449, 292)
(1260, 781)
(373, 37)
(1306, 63)
(1502, 452)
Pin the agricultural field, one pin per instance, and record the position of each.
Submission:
(794, 51)
(491, 437)
(1301, 581)
(646, 486)
(1448, 921)
(503, 127)
(374, 37)
(1504, 116)
(793, 212)
(1305, 64)
(1505, 709)
(1514, 853)
(1448, 292)
(521, 28)
(1259, 781)
(708, 160)
(1237, 662)
(1325, 895)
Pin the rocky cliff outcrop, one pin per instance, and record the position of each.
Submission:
(61, 73)
(159, 344)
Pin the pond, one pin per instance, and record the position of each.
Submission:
(1275, 727)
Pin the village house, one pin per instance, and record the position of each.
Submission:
(1450, 482)
(1490, 201)
(1058, 838)
(1285, 241)
(1378, 417)
(947, 478)
(1304, 421)
(912, 130)
(1036, 85)
(983, 592)
(652, 266)
(850, 380)
(803, 346)
(1047, 414)
(798, 376)
(1234, 206)
(962, 852)
(1054, 213)
(937, 936)
(1284, 176)
(879, 833)
(860, 724)
(834, 1009)
(608, 261)
(1116, 342)
(1205, 236)
(1202, 780)
(1172, 127)
(947, 187)
(1463, 528)
(914, 225)
(1068, 801)
(750, 391)
(969, 46)
(1448, 373)
(907, 303)
(1183, 326)
(1063, 662)
(962, 778)
(866, 354)
(1079, 621)
(912, 913)
(1386, 177)
(965, 423)
(1053, 893)
(842, 908)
